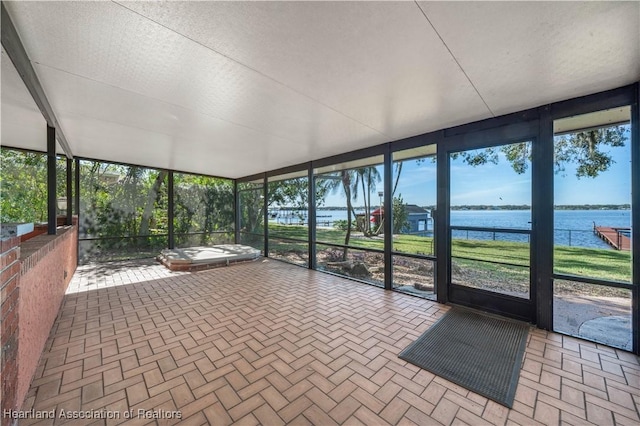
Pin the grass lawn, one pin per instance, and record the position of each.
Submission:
(588, 262)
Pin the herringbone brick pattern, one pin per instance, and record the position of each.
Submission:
(271, 343)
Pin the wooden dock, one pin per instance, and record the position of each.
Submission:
(613, 237)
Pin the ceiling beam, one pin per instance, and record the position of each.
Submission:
(14, 48)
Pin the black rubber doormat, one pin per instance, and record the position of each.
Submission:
(480, 352)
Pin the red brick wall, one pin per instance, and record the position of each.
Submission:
(9, 320)
(39, 229)
(45, 274)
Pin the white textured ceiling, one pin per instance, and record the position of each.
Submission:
(236, 88)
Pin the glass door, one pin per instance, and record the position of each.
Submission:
(592, 240)
(490, 229)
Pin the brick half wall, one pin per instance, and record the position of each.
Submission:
(47, 265)
(9, 302)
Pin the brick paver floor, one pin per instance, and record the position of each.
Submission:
(271, 343)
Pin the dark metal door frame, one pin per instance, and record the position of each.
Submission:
(502, 304)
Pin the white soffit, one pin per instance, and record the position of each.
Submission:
(293, 175)
(593, 120)
(525, 54)
(376, 160)
(23, 126)
(419, 152)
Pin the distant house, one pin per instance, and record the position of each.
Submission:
(376, 217)
(418, 219)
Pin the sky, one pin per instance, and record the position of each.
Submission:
(499, 184)
(610, 187)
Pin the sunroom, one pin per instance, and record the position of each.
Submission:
(390, 162)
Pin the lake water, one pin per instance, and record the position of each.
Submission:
(572, 227)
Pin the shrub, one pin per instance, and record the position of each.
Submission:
(341, 225)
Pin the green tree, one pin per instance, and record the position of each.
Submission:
(151, 201)
(290, 194)
(587, 150)
(400, 215)
(346, 179)
(23, 185)
(342, 181)
(397, 167)
(219, 207)
(367, 178)
(123, 201)
(203, 205)
(252, 206)
(349, 182)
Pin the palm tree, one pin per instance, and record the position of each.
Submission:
(367, 177)
(342, 180)
(350, 182)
